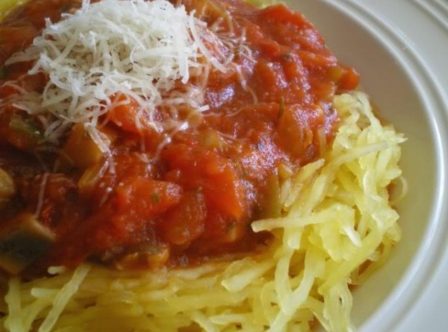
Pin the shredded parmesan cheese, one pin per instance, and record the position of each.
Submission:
(42, 188)
(141, 49)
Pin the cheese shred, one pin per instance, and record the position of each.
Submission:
(150, 51)
(336, 227)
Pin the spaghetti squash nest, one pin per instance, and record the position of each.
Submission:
(336, 226)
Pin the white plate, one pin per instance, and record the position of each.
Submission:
(400, 48)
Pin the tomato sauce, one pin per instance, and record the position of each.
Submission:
(195, 197)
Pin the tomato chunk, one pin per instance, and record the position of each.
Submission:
(205, 169)
(185, 222)
(281, 13)
(145, 197)
(294, 133)
(127, 114)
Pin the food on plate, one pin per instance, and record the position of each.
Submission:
(199, 165)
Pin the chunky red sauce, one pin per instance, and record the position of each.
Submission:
(198, 197)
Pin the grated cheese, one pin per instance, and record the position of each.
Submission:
(141, 49)
(42, 188)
